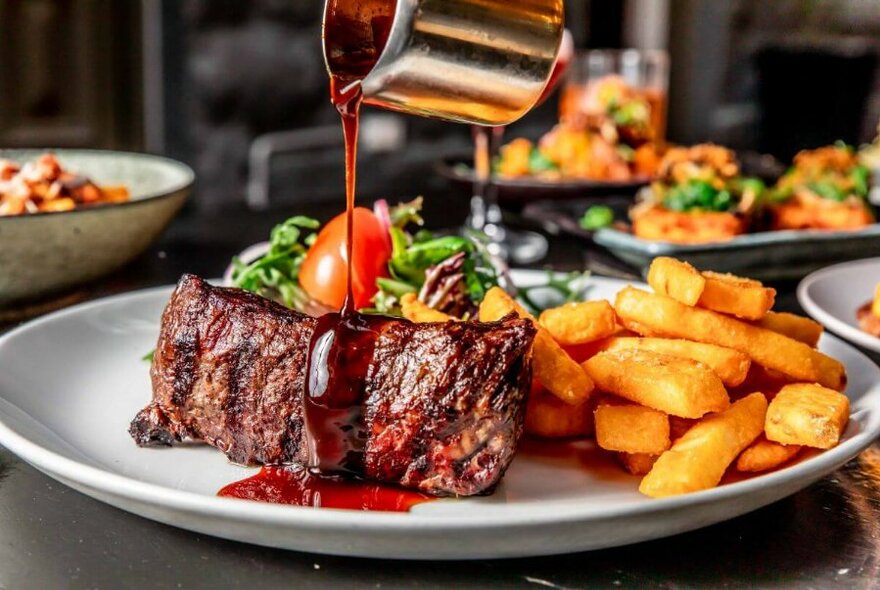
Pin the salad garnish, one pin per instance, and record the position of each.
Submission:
(449, 273)
(275, 275)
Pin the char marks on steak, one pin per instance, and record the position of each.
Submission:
(443, 405)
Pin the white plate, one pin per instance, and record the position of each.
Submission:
(832, 296)
(68, 417)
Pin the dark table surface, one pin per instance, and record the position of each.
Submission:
(827, 536)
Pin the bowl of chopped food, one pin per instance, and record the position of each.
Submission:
(71, 216)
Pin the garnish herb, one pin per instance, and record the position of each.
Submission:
(698, 194)
(597, 217)
(275, 274)
(538, 162)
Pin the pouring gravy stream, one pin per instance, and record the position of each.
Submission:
(342, 345)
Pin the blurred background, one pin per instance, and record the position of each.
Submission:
(221, 84)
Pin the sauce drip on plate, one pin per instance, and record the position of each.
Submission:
(298, 487)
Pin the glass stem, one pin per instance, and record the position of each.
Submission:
(485, 210)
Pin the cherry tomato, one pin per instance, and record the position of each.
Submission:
(325, 270)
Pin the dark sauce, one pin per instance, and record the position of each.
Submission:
(298, 487)
(339, 358)
(342, 345)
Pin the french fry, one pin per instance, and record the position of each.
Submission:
(416, 311)
(724, 293)
(875, 304)
(764, 455)
(637, 463)
(551, 365)
(550, 417)
(765, 347)
(674, 385)
(808, 415)
(638, 329)
(631, 429)
(794, 326)
(730, 365)
(737, 296)
(556, 371)
(676, 279)
(698, 460)
(580, 323)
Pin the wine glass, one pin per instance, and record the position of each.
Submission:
(516, 246)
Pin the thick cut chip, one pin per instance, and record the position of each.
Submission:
(674, 385)
(676, 279)
(498, 304)
(764, 455)
(637, 463)
(875, 304)
(418, 312)
(794, 326)
(637, 328)
(580, 323)
(808, 415)
(737, 296)
(765, 347)
(724, 293)
(698, 460)
(550, 417)
(631, 429)
(551, 365)
(730, 365)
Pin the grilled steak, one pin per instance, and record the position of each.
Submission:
(443, 404)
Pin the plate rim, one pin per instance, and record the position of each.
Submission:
(826, 318)
(115, 484)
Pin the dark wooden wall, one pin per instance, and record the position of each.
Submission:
(70, 73)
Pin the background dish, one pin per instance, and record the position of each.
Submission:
(459, 170)
(832, 296)
(770, 256)
(69, 420)
(45, 253)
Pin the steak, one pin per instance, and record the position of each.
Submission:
(442, 405)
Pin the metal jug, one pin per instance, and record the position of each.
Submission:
(483, 62)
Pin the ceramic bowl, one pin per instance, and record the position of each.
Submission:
(47, 253)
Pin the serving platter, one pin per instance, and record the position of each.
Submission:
(832, 296)
(768, 256)
(69, 418)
